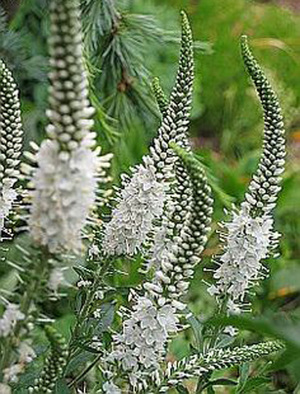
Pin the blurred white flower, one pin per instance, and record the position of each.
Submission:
(26, 352)
(11, 373)
(111, 388)
(56, 279)
(5, 389)
(9, 319)
(64, 193)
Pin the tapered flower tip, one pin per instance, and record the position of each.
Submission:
(185, 24)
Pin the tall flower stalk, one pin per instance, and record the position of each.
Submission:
(163, 213)
(249, 237)
(11, 136)
(65, 180)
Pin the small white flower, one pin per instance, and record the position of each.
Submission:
(111, 388)
(99, 294)
(84, 283)
(56, 279)
(11, 373)
(97, 313)
(9, 319)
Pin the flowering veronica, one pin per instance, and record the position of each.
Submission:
(67, 168)
(145, 334)
(10, 142)
(157, 166)
(249, 237)
(140, 203)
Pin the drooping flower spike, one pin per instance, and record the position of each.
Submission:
(133, 217)
(11, 137)
(249, 237)
(216, 359)
(65, 181)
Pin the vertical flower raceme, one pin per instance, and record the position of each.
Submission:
(141, 346)
(65, 179)
(177, 265)
(154, 317)
(157, 167)
(11, 134)
(249, 237)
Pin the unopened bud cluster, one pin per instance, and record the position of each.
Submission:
(11, 134)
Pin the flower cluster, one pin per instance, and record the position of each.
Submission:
(65, 180)
(9, 319)
(216, 359)
(145, 334)
(249, 237)
(64, 191)
(26, 355)
(54, 363)
(176, 268)
(161, 158)
(140, 203)
(11, 134)
(248, 241)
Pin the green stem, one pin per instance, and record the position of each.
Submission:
(30, 294)
(85, 371)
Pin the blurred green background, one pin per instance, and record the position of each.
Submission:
(227, 124)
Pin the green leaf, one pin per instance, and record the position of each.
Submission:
(61, 388)
(254, 383)
(197, 327)
(181, 389)
(244, 375)
(78, 361)
(223, 382)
